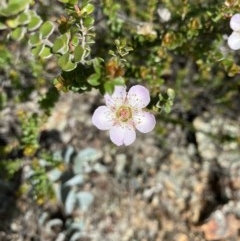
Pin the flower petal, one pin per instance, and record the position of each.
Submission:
(122, 135)
(235, 22)
(117, 98)
(144, 121)
(234, 40)
(138, 96)
(102, 118)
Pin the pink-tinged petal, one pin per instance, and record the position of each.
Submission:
(102, 118)
(144, 121)
(122, 135)
(138, 96)
(117, 98)
(235, 22)
(234, 40)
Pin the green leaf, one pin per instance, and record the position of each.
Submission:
(61, 44)
(65, 62)
(34, 23)
(171, 93)
(93, 79)
(119, 81)
(61, 84)
(73, 2)
(108, 87)
(88, 9)
(160, 96)
(75, 41)
(88, 22)
(97, 65)
(111, 52)
(46, 53)
(167, 108)
(34, 39)
(5, 56)
(117, 42)
(23, 19)
(37, 50)
(12, 23)
(78, 53)
(18, 33)
(85, 2)
(46, 29)
(14, 7)
(63, 1)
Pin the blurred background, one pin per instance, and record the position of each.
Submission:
(61, 178)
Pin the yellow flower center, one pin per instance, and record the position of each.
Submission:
(124, 113)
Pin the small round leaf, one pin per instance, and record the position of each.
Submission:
(18, 33)
(34, 23)
(46, 53)
(108, 87)
(170, 93)
(89, 8)
(93, 79)
(58, 46)
(73, 2)
(23, 18)
(78, 53)
(75, 40)
(12, 23)
(14, 7)
(119, 81)
(65, 62)
(61, 44)
(46, 29)
(37, 50)
(63, 1)
(34, 39)
(88, 22)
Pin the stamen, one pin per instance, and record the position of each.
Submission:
(124, 113)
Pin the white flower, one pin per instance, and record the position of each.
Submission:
(123, 114)
(234, 38)
(164, 14)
